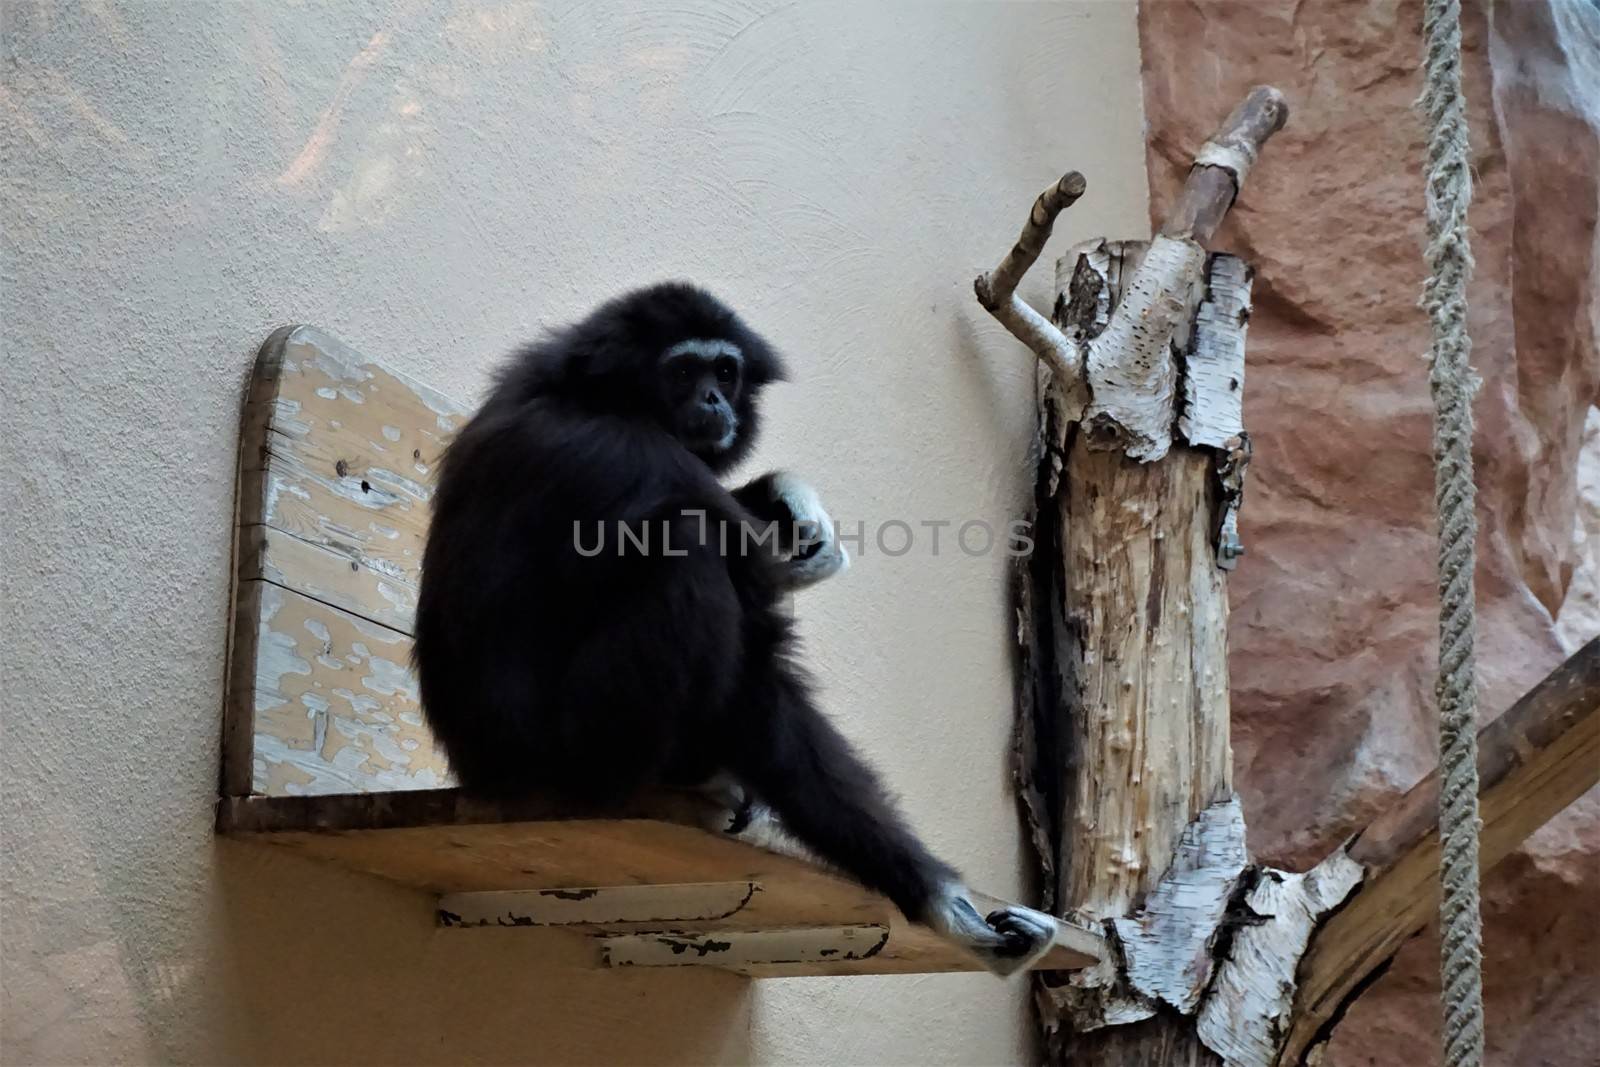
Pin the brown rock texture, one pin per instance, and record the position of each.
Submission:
(1334, 608)
(1580, 612)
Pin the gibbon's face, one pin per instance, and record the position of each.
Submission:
(703, 386)
(676, 354)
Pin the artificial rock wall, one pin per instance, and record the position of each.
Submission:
(1334, 607)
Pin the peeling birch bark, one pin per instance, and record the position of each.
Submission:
(1169, 944)
(1164, 952)
(1131, 371)
(1248, 1009)
(1213, 382)
(1212, 412)
(1216, 177)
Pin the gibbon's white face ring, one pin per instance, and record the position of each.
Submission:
(710, 348)
(707, 347)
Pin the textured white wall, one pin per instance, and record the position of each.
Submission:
(431, 182)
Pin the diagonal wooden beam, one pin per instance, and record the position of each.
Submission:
(1542, 754)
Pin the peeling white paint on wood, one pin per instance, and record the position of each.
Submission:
(336, 707)
(737, 949)
(334, 578)
(697, 902)
(327, 480)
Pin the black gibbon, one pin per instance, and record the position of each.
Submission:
(594, 620)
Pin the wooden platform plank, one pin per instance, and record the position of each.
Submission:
(323, 574)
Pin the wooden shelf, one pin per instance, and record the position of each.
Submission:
(325, 751)
(649, 891)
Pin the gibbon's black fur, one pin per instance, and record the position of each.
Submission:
(596, 675)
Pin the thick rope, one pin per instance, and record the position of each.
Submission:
(1449, 191)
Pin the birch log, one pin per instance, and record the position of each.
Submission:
(1126, 772)
(1142, 659)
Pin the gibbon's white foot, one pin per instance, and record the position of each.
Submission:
(730, 803)
(1008, 941)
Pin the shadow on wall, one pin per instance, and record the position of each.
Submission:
(291, 962)
(310, 977)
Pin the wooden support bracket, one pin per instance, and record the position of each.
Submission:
(596, 906)
(753, 952)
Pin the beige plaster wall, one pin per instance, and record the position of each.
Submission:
(431, 182)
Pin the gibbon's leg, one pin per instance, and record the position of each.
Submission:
(828, 798)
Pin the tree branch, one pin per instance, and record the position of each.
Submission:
(997, 290)
(1131, 372)
(1535, 759)
(1223, 162)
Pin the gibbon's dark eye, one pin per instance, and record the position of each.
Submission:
(680, 372)
(727, 370)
